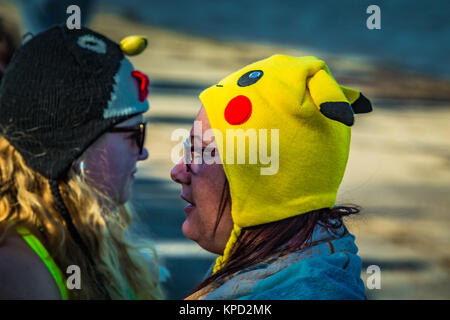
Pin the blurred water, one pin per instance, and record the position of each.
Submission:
(414, 34)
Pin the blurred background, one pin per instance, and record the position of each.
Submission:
(399, 165)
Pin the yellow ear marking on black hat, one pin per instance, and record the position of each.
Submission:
(329, 98)
(133, 45)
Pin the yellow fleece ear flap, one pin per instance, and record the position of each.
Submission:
(329, 98)
(360, 104)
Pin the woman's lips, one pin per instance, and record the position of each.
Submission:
(190, 206)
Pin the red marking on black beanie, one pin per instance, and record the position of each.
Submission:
(143, 84)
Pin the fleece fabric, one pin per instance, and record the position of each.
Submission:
(328, 270)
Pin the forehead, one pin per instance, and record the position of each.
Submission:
(203, 117)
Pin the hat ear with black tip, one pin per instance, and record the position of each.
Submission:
(360, 104)
(336, 102)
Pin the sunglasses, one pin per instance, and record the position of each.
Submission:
(139, 133)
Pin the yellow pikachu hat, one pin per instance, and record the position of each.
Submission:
(313, 114)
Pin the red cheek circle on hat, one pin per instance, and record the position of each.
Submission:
(143, 84)
(238, 110)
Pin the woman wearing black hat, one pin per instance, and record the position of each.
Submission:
(71, 133)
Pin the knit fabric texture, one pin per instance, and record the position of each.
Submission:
(62, 90)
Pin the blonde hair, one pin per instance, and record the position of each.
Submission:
(26, 200)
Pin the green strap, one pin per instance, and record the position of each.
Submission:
(40, 250)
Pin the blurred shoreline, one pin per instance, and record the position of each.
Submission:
(410, 37)
(183, 62)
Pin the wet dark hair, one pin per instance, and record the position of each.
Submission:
(256, 244)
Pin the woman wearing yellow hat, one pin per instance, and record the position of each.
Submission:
(262, 184)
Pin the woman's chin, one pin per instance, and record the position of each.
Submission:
(207, 246)
(123, 199)
(187, 230)
(125, 195)
(191, 233)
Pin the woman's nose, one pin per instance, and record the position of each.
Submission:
(144, 155)
(179, 173)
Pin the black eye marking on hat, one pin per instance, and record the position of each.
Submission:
(92, 43)
(250, 78)
(362, 105)
(339, 111)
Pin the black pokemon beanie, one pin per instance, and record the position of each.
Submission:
(62, 90)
